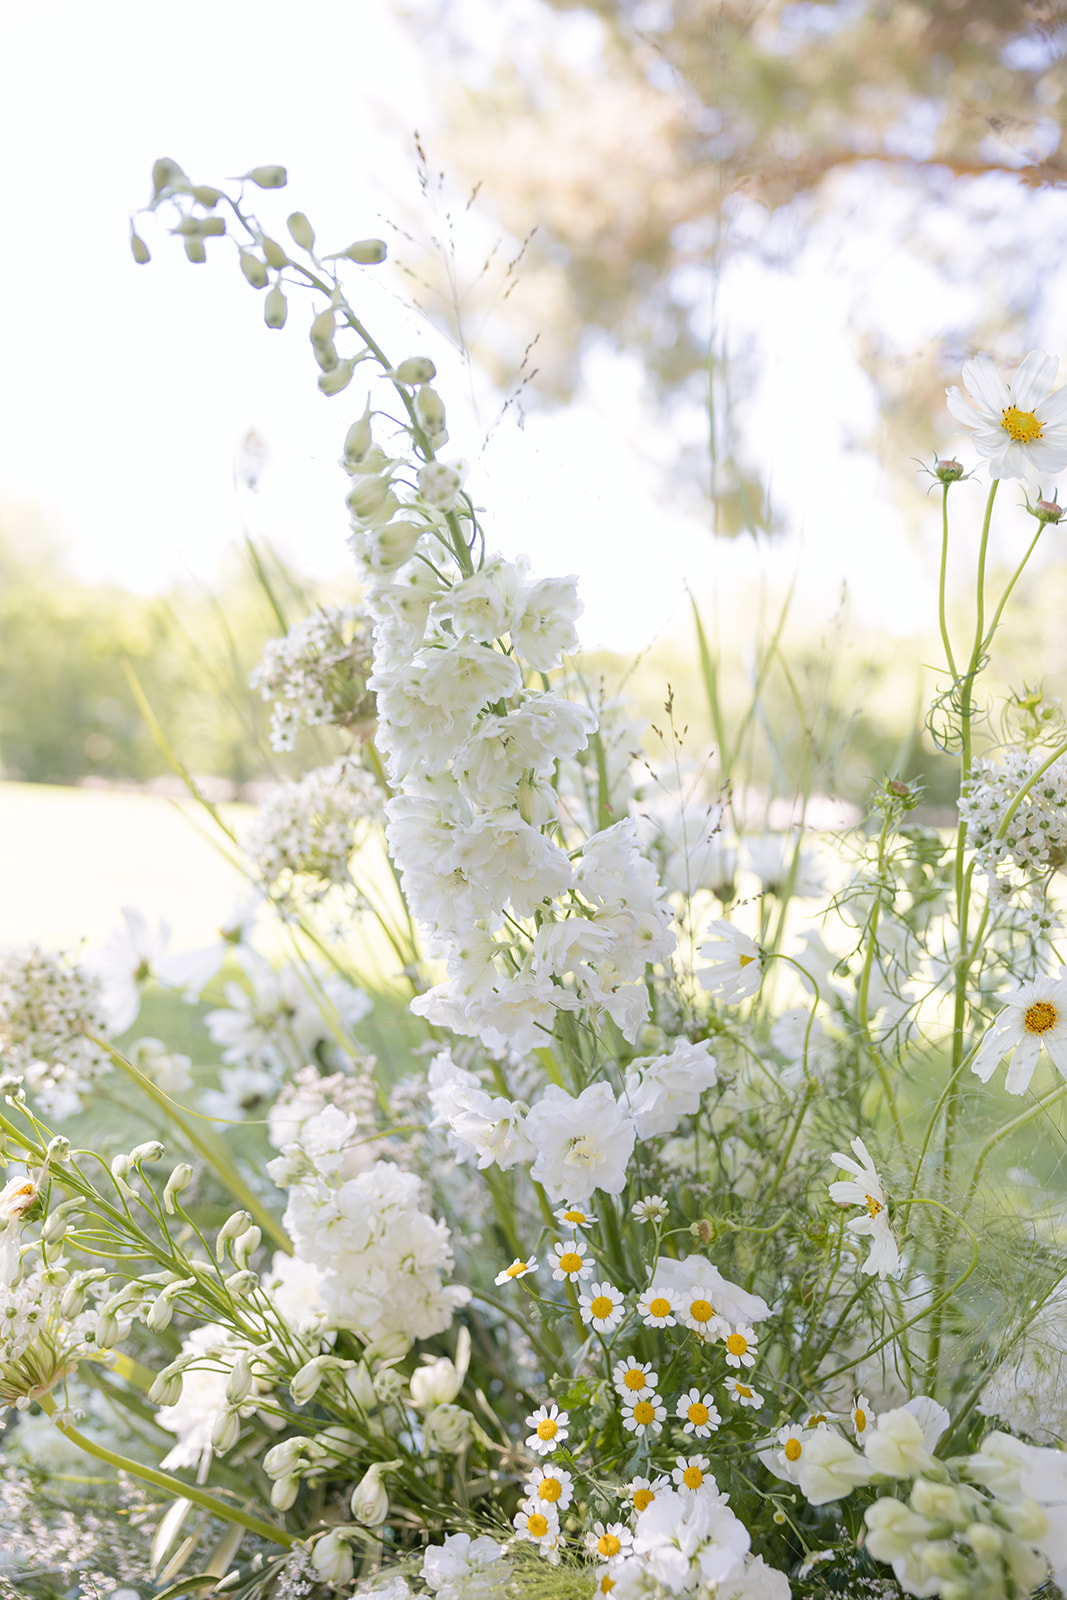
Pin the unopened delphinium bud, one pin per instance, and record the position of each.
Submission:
(416, 369)
(275, 308)
(254, 270)
(367, 252)
(240, 1383)
(274, 253)
(180, 1179)
(339, 378)
(430, 410)
(245, 1246)
(358, 440)
(268, 177)
(301, 231)
(194, 249)
(141, 252)
(205, 195)
(201, 227)
(168, 178)
(59, 1148)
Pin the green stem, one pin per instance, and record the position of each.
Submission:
(941, 588)
(163, 1480)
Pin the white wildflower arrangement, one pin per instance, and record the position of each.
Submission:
(665, 1250)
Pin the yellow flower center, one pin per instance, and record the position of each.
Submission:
(692, 1477)
(873, 1205)
(549, 1489)
(792, 1450)
(643, 1498)
(606, 1584)
(570, 1261)
(537, 1524)
(644, 1412)
(634, 1379)
(737, 1344)
(1022, 425)
(743, 1390)
(1040, 1017)
(816, 1418)
(547, 1429)
(609, 1544)
(601, 1306)
(574, 1216)
(744, 961)
(698, 1413)
(701, 1311)
(860, 1419)
(659, 1307)
(516, 1269)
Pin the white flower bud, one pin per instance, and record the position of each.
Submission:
(180, 1179)
(54, 1228)
(245, 1246)
(1028, 1567)
(323, 327)
(439, 485)
(242, 1283)
(254, 270)
(168, 178)
(339, 378)
(392, 545)
(225, 1430)
(430, 409)
(240, 1383)
(366, 496)
(940, 1502)
(332, 1559)
(167, 1388)
(151, 1150)
(435, 1384)
(301, 231)
(283, 1492)
(370, 1499)
(386, 1351)
(107, 1329)
(1023, 1517)
(447, 1429)
(360, 1386)
(326, 356)
(304, 1384)
(274, 253)
(201, 227)
(120, 1168)
(281, 1460)
(358, 440)
(205, 195)
(268, 177)
(368, 252)
(275, 309)
(194, 249)
(159, 1314)
(942, 1558)
(58, 1148)
(985, 1541)
(237, 1223)
(139, 249)
(416, 369)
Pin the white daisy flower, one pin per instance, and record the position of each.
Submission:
(652, 1209)
(862, 1416)
(699, 1413)
(736, 969)
(645, 1415)
(642, 1491)
(518, 1269)
(537, 1522)
(740, 1347)
(656, 1307)
(550, 1428)
(698, 1312)
(569, 1262)
(1021, 427)
(550, 1486)
(1034, 1017)
(610, 1541)
(602, 1307)
(866, 1189)
(634, 1378)
(785, 1461)
(574, 1216)
(743, 1393)
(691, 1473)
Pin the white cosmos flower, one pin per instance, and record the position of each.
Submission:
(1021, 427)
(736, 970)
(1034, 1016)
(865, 1188)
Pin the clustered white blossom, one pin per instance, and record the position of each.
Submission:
(1014, 847)
(305, 831)
(317, 674)
(49, 1006)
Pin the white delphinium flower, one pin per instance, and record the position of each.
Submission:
(602, 1307)
(304, 833)
(242, 1092)
(664, 1089)
(48, 1007)
(131, 956)
(1033, 1017)
(464, 1568)
(317, 673)
(168, 1070)
(582, 1143)
(736, 967)
(696, 856)
(757, 1582)
(698, 1412)
(550, 1429)
(294, 1288)
(865, 1188)
(488, 1126)
(783, 864)
(1020, 428)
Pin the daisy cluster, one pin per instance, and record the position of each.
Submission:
(304, 833)
(317, 674)
(49, 1009)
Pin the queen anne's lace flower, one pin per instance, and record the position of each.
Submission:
(48, 1007)
(317, 673)
(305, 832)
(1021, 427)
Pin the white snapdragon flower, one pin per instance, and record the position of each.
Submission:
(664, 1089)
(1033, 1017)
(900, 1446)
(865, 1188)
(582, 1144)
(736, 967)
(1021, 427)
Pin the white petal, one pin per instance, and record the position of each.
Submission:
(1023, 1063)
(962, 409)
(1048, 455)
(1033, 380)
(990, 1052)
(983, 380)
(1053, 409)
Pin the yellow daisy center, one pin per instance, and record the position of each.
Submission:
(606, 1584)
(816, 1418)
(643, 1498)
(570, 1261)
(549, 1489)
(547, 1429)
(873, 1205)
(743, 1390)
(601, 1306)
(516, 1269)
(737, 1344)
(634, 1379)
(659, 1307)
(1040, 1017)
(698, 1413)
(574, 1216)
(792, 1450)
(537, 1524)
(692, 1477)
(609, 1544)
(745, 961)
(860, 1419)
(1023, 426)
(701, 1311)
(644, 1412)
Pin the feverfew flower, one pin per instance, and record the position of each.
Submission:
(866, 1189)
(699, 1413)
(608, 1541)
(740, 1348)
(862, 1417)
(736, 968)
(518, 1269)
(1021, 428)
(644, 1416)
(550, 1428)
(602, 1307)
(692, 1473)
(538, 1523)
(634, 1378)
(743, 1393)
(550, 1485)
(573, 1215)
(698, 1312)
(652, 1209)
(1034, 1016)
(582, 1144)
(642, 1491)
(570, 1262)
(656, 1308)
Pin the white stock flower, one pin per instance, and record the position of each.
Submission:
(464, 1568)
(1021, 427)
(691, 1538)
(664, 1089)
(1033, 1017)
(865, 1189)
(735, 969)
(582, 1143)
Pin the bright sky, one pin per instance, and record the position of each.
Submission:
(126, 389)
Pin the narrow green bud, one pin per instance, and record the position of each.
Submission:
(358, 440)
(300, 230)
(194, 249)
(275, 308)
(254, 270)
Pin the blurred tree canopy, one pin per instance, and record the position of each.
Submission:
(636, 146)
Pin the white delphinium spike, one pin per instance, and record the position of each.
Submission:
(865, 1188)
(1033, 1017)
(1020, 428)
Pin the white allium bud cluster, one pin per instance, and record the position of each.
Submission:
(317, 674)
(1034, 842)
(48, 1006)
(308, 828)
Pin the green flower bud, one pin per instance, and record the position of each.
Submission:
(340, 377)
(300, 230)
(281, 1460)
(326, 356)
(160, 1313)
(240, 1383)
(268, 177)
(107, 1329)
(283, 1492)
(239, 1222)
(370, 1498)
(358, 440)
(985, 1541)
(58, 1148)
(201, 227)
(224, 1433)
(324, 327)
(276, 256)
(140, 250)
(242, 1283)
(303, 1385)
(254, 270)
(368, 252)
(275, 308)
(244, 1246)
(416, 369)
(366, 495)
(151, 1150)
